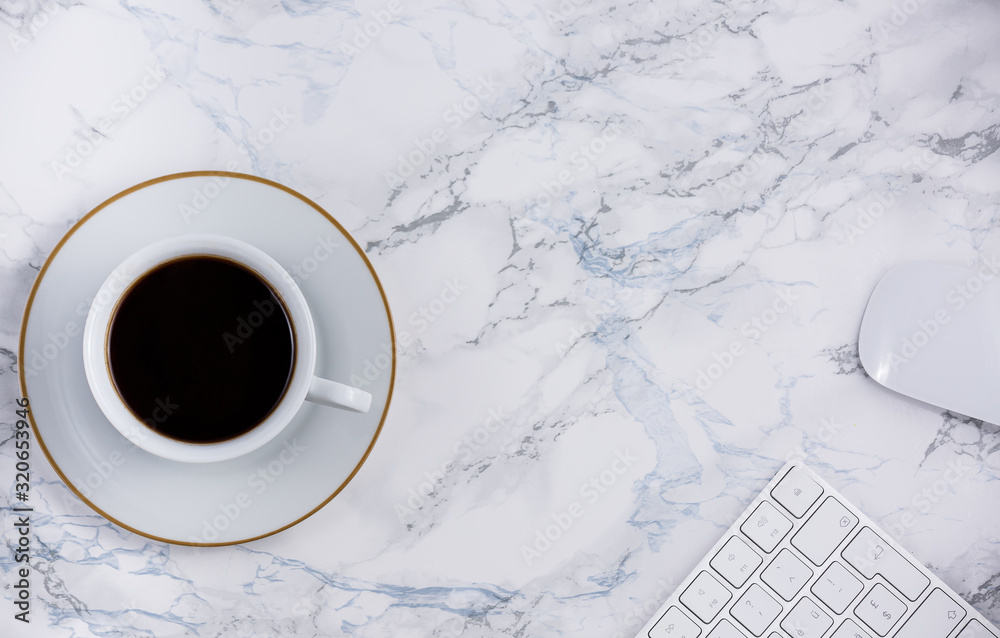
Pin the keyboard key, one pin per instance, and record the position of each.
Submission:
(756, 609)
(803, 562)
(797, 492)
(806, 620)
(849, 629)
(880, 610)
(871, 555)
(725, 629)
(766, 527)
(786, 575)
(837, 587)
(705, 597)
(827, 528)
(674, 624)
(976, 629)
(736, 562)
(936, 617)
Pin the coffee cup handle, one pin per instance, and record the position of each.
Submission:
(338, 395)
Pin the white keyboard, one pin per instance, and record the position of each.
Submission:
(802, 562)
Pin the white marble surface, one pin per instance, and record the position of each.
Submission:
(722, 164)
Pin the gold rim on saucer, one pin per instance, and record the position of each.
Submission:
(41, 274)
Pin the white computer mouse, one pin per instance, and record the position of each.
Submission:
(932, 332)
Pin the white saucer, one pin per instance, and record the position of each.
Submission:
(252, 496)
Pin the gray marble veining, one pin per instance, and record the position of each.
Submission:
(660, 223)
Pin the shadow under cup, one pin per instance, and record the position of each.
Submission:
(201, 349)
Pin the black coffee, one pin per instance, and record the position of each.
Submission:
(201, 349)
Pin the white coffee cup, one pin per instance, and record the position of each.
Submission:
(303, 385)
